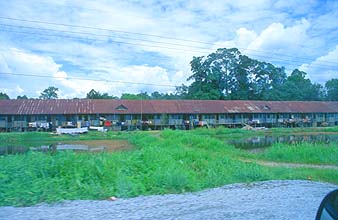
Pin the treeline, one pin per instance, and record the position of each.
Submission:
(129, 96)
(51, 93)
(228, 75)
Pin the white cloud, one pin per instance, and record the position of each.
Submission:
(70, 86)
(280, 38)
(242, 40)
(321, 69)
(277, 27)
(121, 81)
(19, 90)
(19, 63)
(277, 43)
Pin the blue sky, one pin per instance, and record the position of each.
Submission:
(153, 41)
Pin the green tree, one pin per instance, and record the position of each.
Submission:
(298, 88)
(157, 95)
(227, 74)
(181, 92)
(129, 96)
(92, 94)
(49, 93)
(214, 75)
(22, 97)
(331, 87)
(3, 96)
(266, 80)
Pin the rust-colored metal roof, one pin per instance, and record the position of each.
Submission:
(105, 106)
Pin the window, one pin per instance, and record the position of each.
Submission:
(58, 118)
(237, 116)
(176, 116)
(128, 117)
(191, 117)
(18, 118)
(41, 118)
(209, 116)
(157, 116)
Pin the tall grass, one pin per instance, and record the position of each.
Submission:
(155, 169)
(302, 153)
(173, 162)
(220, 131)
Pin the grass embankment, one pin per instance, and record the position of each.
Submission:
(171, 162)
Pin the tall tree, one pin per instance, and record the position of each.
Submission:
(298, 88)
(227, 74)
(267, 79)
(331, 87)
(49, 93)
(214, 75)
(3, 96)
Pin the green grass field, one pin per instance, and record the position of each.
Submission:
(160, 162)
(302, 153)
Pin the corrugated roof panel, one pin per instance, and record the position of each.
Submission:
(85, 106)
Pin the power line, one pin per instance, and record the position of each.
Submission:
(115, 59)
(92, 39)
(103, 35)
(101, 29)
(281, 61)
(159, 36)
(149, 18)
(106, 35)
(86, 79)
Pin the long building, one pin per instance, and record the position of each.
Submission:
(23, 115)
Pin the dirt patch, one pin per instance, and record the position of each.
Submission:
(109, 145)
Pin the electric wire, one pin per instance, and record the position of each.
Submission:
(143, 34)
(282, 61)
(86, 79)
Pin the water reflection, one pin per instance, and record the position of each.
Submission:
(267, 141)
(77, 146)
(5, 150)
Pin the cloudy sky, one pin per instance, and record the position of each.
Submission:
(132, 46)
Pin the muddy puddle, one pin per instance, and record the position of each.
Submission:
(256, 144)
(77, 146)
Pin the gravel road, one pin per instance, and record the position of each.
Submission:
(296, 200)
